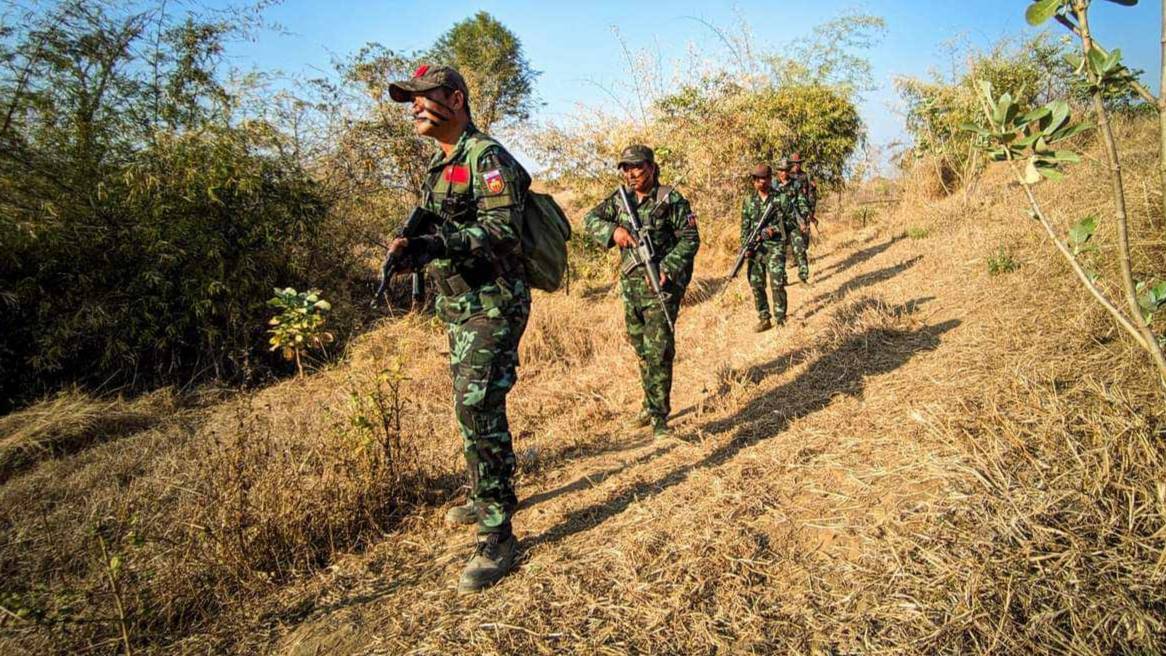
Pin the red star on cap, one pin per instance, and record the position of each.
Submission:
(421, 70)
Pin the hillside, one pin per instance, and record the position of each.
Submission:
(927, 458)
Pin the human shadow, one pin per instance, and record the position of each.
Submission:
(842, 371)
(703, 289)
(853, 260)
(750, 375)
(593, 479)
(819, 302)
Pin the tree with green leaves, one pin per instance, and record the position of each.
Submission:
(1036, 139)
(489, 56)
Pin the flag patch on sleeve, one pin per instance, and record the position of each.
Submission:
(494, 181)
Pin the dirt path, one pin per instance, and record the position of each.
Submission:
(777, 479)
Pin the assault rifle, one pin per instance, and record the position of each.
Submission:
(754, 241)
(419, 223)
(644, 252)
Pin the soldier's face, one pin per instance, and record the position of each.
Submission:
(434, 110)
(795, 167)
(762, 184)
(782, 175)
(639, 176)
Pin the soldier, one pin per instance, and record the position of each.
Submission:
(808, 188)
(796, 225)
(483, 299)
(760, 261)
(671, 226)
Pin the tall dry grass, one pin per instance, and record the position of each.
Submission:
(935, 461)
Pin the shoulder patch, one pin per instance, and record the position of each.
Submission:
(494, 181)
(691, 219)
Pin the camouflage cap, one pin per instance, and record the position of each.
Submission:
(761, 171)
(426, 78)
(636, 154)
(783, 164)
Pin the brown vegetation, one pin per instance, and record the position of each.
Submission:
(927, 459)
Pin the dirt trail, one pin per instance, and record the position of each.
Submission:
(707, 538)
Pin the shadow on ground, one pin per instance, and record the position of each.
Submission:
(819, 302)
(841, 371)
(853, 260)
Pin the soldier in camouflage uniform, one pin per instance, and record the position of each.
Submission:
(796, 226)
(758, 262)
(671, 225)
(808, 188)
(483, 299)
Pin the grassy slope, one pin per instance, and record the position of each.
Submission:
(925, 459)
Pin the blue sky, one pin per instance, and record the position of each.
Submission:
(572, 43)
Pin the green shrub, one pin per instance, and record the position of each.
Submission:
(1001, 262)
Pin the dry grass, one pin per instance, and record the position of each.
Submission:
(927, 459)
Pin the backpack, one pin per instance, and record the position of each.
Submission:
(544, 231)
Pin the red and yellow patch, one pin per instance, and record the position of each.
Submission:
(691, 219)
(495, 183)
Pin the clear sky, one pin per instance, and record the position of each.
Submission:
(572, 43)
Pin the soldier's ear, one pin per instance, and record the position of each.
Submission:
(457, 99)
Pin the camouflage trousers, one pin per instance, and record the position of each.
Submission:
(771, 261)
(483, 353)
(652, 339)
(799, 244)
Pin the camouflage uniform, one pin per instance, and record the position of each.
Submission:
(806, 187)
(770, 257)
(794, 205)
(671, 224)
(484, 300)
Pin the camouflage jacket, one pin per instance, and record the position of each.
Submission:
(806, 187)
(670, 223)
(751, 211)
(478, 189)
(793, 203)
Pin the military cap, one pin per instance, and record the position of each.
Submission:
(426, 78)
(783, 164)
(636, 154)
(761, 171)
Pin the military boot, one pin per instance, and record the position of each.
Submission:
(493, 559)
(762, 326)
(660, 427)
(462, 515)
(641, 420)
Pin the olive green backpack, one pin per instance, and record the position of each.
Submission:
(544, 230)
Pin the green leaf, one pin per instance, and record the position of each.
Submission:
(323, 305)
(1035, 115)
(1059, 109)
(1067, 156)
(986, 89)
(115, 564)
(1083, 230)
(1111, 61)
(1050, 173)
(1041, 10)
(1096, 62)
(1069, 131)
(972, 127)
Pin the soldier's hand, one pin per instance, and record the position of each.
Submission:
(769, 233)
(398, 245)
(623, 238)
(663, 278)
